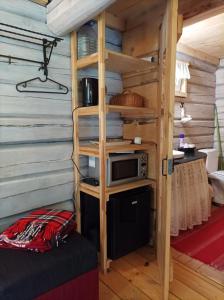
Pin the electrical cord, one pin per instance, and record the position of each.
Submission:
(73, 151)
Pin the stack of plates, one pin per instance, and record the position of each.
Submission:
(177, 154)
(86, 46)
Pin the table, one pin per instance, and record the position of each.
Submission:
(191, 203)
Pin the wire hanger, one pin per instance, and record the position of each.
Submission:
(21, 87)
(62, 89)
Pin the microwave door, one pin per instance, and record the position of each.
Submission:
(123, 170)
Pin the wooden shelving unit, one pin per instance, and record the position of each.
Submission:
(95, 191)
(116, 62)
(93, 150)
(94, 110)
(148, 30)
(120, 63)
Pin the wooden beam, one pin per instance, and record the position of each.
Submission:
(114, 22)
(75, 104)
(179, 26)
(152, 15)
(204, 15)
(197, 54)
(41, 2)
(192, 8)
(102, 142)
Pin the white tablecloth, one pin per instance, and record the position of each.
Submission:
(190, 196)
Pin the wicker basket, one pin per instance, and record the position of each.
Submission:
(128, 98)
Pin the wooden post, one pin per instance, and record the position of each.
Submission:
(102, 141)
(75, 103)
(167, 90)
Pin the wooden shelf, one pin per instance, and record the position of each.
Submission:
(116, 62)
(95, 191)
(89, 189)
(129, 186)
(93, 150)
(94, 110)
(88, 110)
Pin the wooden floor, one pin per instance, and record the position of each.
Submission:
(199, 267)
(135, 277)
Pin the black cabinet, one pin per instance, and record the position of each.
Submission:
(128, 220)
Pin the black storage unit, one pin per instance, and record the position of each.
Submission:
(128, 220)
(90, 220)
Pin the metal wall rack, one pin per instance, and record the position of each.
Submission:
(47, 42)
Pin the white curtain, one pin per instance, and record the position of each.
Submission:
(182, 71)
(191, 203)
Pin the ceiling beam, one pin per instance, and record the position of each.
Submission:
(41, 2)
(192, 8)
(205, 15)
(197, 54)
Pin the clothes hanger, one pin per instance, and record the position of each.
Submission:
(21, 86)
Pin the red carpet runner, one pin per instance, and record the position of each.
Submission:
(205, 242)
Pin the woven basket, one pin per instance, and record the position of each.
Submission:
(128, 98)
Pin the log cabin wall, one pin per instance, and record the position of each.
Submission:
(220, 102)
(199, 103)
(36, 129)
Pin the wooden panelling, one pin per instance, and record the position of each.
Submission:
(191, 8)
(146, 131)
(197, 111)
(142, 36)
(141, 78)
(23, 8)
(220, 104)
(149, 92)
(197, 53)
(199, 103)
(197, 63)
(207, 36)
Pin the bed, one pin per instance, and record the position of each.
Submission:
(68, 272)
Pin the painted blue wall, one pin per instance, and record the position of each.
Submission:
(36, 129)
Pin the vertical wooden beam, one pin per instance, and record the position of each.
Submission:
(75, 103)
(102, 141)
(180, 23)
(166, 92)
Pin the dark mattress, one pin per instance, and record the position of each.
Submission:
(26, 275)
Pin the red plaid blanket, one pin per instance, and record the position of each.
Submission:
(39, 231)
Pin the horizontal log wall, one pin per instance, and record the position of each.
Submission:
(36, 129)
(220, 103)
(199, 103)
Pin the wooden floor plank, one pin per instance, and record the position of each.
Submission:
(183, 292)
(179, 289)
(200, 267)
(106, 293)
(197, 283)
(122, 287)
(145, 266)
(136, 277)
(141, 281)
(216, 275)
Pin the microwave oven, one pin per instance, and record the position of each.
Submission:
(121, 168)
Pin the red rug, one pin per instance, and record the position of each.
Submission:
(204, 242)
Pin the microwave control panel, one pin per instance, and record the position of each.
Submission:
(143, 165)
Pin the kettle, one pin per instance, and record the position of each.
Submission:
(89, 91)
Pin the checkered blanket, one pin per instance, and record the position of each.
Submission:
(40, 231)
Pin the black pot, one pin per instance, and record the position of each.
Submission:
(89, 91)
